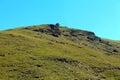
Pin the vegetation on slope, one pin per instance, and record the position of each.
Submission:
(40, 53)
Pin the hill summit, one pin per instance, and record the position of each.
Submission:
(55, 52)
(85, 38)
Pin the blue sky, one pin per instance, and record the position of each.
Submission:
(99, 16)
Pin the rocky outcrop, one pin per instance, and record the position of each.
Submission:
(54, 29)
(51, 29)
(90, 36)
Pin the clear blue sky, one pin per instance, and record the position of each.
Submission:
(99, 16)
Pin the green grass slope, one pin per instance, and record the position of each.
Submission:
(33, 53)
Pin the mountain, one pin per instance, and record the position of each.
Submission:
(54, 52)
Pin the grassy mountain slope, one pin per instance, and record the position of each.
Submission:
(40, 53)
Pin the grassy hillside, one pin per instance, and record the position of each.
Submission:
(41, 53)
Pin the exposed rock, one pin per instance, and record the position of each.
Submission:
(73, 33)
(55, 30)
(115, 50)
(52, 30)
(84, 34)
(90, 33)
(57, 24)
(92, 37)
